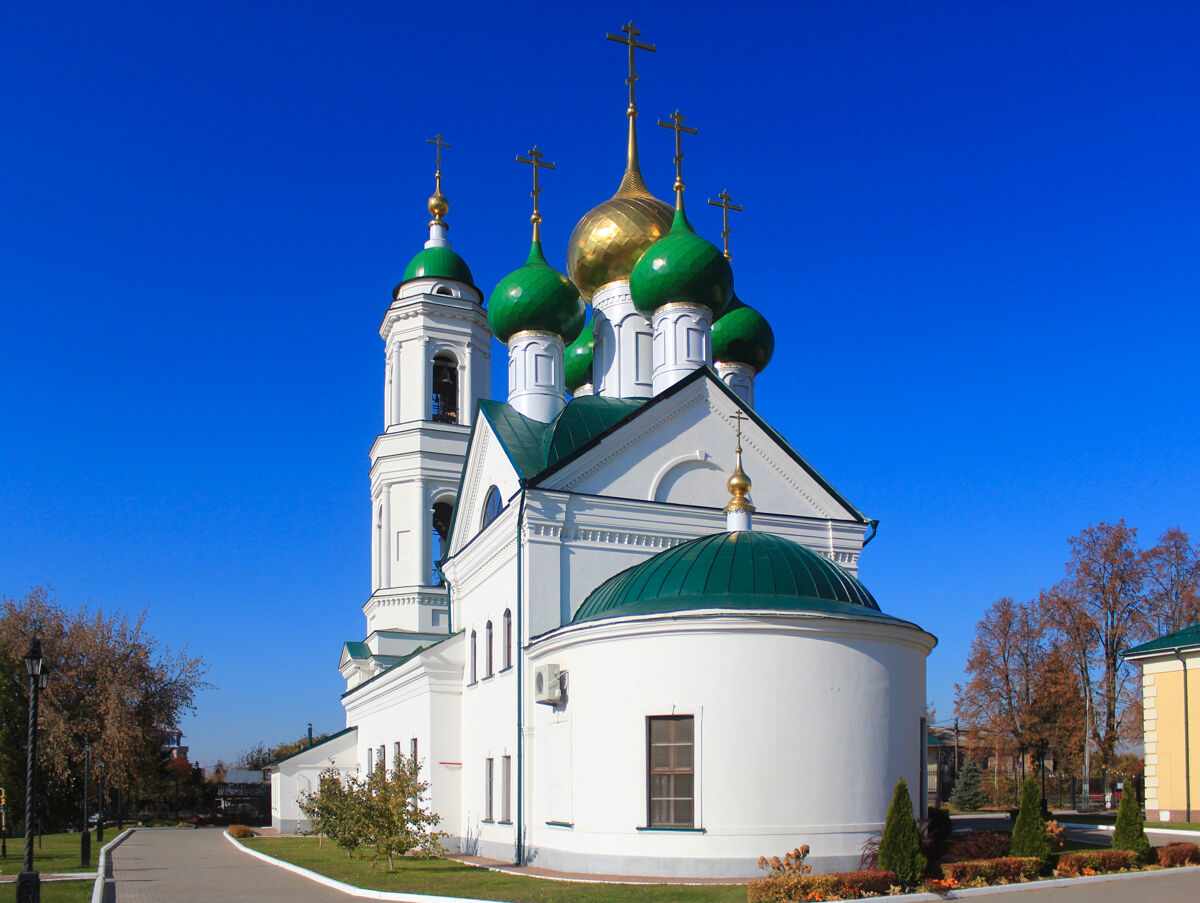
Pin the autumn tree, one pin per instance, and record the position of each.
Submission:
(1172, 582)
(111, 686)
(1098, 611)
(399, 822)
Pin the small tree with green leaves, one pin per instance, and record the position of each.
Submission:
(398, 823)
(900, 845)
(1130, 831)
(336, 810)
(969, 795)
(1029, 833)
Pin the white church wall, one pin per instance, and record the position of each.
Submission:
(300, 773)
(802, 725)
(680, 455)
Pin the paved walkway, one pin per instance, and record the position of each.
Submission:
(185, 865)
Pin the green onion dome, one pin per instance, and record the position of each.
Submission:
(578, 366)
(681, 266)
(743, 570)
(438, 263)
(536, 297)
(742, 336)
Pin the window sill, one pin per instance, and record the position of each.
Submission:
(504, 821)
(671, 828)
(561, 824)
(505, 668)
(486, 677)
(486, 821)
(472, 683)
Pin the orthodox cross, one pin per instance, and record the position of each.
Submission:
(535, 160)
(677, 126)
(739, 417)
(630, 38)
(439, 142)
(726, 204)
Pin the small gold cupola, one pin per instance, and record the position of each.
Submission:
(739, 509)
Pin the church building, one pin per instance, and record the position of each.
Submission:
(615, 616)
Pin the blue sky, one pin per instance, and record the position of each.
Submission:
(974, 228)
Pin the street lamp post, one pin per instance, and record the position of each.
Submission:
(85, 838)
(100, 801)
(29, 887)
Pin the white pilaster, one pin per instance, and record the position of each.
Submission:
(622, 361)
(739, 378)
(682, 342)
(535, 375)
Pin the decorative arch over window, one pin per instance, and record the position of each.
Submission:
(508, 638)
(445, 388)
(441, 515)
(474, 658)
(490, 661)
(445, 290)
(492, 506)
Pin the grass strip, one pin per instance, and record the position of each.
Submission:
(454, 879)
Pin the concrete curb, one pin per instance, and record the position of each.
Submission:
(1148, 827)
(350, 889)
(103, 866)
(1049, 883)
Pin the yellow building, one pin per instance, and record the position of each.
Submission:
(1172, 723)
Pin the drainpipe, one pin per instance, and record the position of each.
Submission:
(1187, 749)
(874, 529)
(520, 846)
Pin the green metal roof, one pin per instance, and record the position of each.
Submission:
(1189, 636)
(681, 266)
(441, 263)
(577, 361)
(357, 650)
(317, 743)
(742, 335)
(743, 570)
(535, 296)
(533, 447)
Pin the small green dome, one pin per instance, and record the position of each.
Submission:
(681, 266)
(578, 366)
(743, 570)
(538, 297)
(439, 263)
(743, 336)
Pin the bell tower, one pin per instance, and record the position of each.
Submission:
(437, 360)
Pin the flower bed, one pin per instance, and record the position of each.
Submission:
(1094, 862)
(808, 888)
(1009, 868)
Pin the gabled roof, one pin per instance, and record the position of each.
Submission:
(397, 662)
(355, 649)
(324, 740)
(1187, 638)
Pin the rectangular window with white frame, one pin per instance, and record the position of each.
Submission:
(670, 771)
(488, 788)
(506, 790)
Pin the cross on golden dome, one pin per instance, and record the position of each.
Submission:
(726, 204)
(535, 160)
(677, 126)
(438, 205)
(739, 484)
(631, 33)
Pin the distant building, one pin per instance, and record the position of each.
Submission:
(243, 794)
(172, 745)
(1171, 723)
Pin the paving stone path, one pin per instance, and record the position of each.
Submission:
(185, 865)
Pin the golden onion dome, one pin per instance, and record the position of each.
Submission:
(611, 237)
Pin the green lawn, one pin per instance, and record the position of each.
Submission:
(57, 853)
(53, 891)
(450, 878)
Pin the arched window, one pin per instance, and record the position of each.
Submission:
(490, 664)
(474, 659)
(443, 512)
(507, 638)
(445, 389)
(492, 506)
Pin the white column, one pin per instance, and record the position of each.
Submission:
(466, 388)
(388, 552)
(425, 383)
(739, 378)
(394, 386)
(535, 375)
(682, 342)
(422, 531)
(622, 364)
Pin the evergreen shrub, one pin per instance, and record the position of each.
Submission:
(1130, 831)
(1029, 833)
(969, 795)
(900, 846)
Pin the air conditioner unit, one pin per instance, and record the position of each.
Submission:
(547, 685)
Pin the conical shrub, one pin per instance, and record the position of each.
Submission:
(1029, 833)
(900, 845)
(1130, 832)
